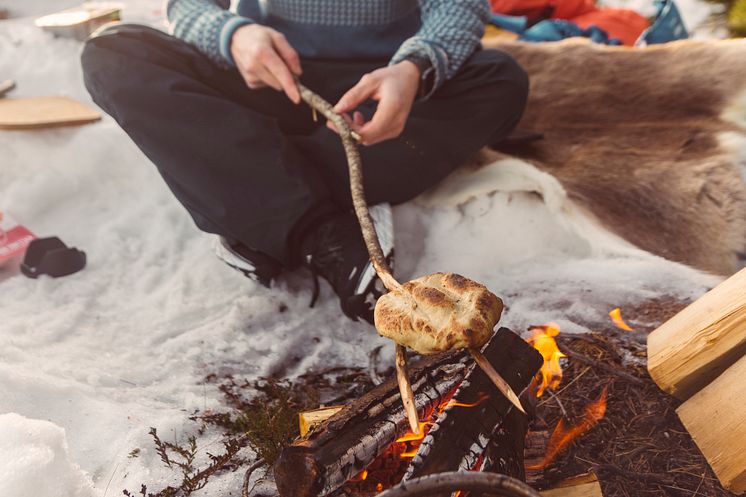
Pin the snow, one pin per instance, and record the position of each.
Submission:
(30, 448)
(102, 355)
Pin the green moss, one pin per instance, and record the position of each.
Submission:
(272, 422)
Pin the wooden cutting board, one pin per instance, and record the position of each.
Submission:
(44, 112)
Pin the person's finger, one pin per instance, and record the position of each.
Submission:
(281, 73)
(384, 124)
(357, 94)
(347, 119)
(267, 77)
(358, 119)
(287, 52)
(251, 78)
(254, 83)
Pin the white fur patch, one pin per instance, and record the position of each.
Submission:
(511, 175)
(735, 144)
(735, 111)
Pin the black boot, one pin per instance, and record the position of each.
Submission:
(336, 251)
(253, 264)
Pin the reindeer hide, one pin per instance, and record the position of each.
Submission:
(651, 141)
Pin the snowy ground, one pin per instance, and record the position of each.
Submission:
(89, 362)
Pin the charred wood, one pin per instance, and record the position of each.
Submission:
(480, 428)
(346, 443)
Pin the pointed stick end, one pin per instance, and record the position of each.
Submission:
(498, 380)
(405, 389)
(415, 427)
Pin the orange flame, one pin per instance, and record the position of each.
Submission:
(542, 338)
(361, 476)
(415, 440)
(453, 403)
(564, 435)
(412, 437)
(616, 316)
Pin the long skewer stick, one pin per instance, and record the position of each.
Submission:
(498, 380)
(349, 141)
(405, 389)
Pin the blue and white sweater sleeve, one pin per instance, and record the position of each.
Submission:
(451, 31)
(208, 25)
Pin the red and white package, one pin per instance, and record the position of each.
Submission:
(14, 238)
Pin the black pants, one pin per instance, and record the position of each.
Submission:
(252, 166)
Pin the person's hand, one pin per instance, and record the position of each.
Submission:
(265, 58)
(394, 88)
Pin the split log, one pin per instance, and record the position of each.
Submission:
(716, 419)
(308, 420)
(346, 443)
(579, 486)
(480, 429)
(692, 348)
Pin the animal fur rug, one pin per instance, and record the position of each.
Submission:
(652, 141)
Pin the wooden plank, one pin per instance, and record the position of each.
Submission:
(44, 112)
(692, 348)
(716, 419)
(6, 86)
(580, 486)
(80, 22)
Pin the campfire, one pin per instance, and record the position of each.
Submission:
(467, 427)
(465, 424)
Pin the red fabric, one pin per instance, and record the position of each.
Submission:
(529, 8)
(622, 24)
(569, 9)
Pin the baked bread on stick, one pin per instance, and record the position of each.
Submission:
(437, 313)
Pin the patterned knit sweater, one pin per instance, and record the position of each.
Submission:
(446, 32)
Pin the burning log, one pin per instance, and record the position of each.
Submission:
(346, 443)
(343, 446)
(716, 419)
(691, 349)
(479, 428)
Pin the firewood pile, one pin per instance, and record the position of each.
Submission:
(604, 419)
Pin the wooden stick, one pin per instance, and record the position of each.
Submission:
(377, 258)
(402, 376)
(349, 141)
(498, 380)
(449, 482)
